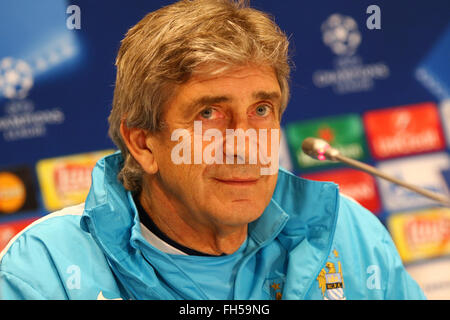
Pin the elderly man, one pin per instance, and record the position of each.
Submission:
(171, 216)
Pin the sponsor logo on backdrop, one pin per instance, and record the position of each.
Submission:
(10, 229)
(421, 234)
(17, 190)
(12, 192)
(344, 133)
(349, 74)
(424, 171)
(66, 180)
(445, 117)
(356, 184)
(406, 130)
(433, 277)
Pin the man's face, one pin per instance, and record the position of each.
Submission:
(220, 194)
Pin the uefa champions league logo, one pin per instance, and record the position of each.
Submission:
(20, 119)
(349, 73)
(16, 78)
(341, 34)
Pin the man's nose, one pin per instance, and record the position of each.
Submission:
(241, 142)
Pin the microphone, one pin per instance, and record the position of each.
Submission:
(320, 150)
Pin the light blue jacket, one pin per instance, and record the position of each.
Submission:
(310, 243)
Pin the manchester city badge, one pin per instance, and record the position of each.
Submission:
(331, 281)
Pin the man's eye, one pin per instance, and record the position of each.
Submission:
(207, 113)
(262, 110)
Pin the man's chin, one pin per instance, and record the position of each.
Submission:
(240, 211)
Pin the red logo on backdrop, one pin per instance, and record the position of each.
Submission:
(425, 231)
(9, 230)
(353, 183)
(404, 130)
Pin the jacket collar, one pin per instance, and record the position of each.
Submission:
(111, 217)
(313, 208)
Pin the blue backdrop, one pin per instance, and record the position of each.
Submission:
(57, 77)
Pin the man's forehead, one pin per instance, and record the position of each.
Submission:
(244, 83)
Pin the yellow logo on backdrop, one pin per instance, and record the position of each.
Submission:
(66, 181)
(421, 234)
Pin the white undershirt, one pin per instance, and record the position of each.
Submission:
(158, 243)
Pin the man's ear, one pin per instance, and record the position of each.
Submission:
(139, 147)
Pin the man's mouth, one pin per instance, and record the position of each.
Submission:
(238, 181)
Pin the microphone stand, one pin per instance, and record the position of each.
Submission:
(371, 170)
(320, 150)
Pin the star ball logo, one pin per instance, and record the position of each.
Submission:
(341, 34)
(16, 78)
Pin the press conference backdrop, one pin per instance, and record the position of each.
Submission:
(371, 77)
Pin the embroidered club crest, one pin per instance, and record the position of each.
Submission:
(276, 290)
(274, 286)
(331, 281)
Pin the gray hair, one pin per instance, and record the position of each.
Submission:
(167, 47)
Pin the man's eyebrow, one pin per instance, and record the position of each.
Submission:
(263, 95)
(205, 101)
